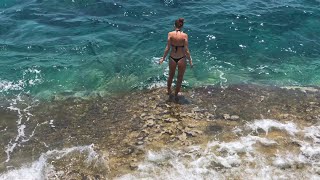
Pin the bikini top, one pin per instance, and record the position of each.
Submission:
(177, 46)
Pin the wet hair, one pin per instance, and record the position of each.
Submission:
(179, 23)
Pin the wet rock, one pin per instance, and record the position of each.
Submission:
(143, 114)
(105, 109)
(226, 116)
(312, 103)
(191, 126)
(234, 118)
(182, 137)
(212, 129)
(150, 117)
(308, 109)
(190, 132)
(149, 123)
(317, 170)
(167, 131)
(140, 138)
(284, 116)
(198, 110)
(133, 166)
(183, 115)
(140, 142)
(170, 120)
(210, 116)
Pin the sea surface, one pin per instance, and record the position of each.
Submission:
(54, 50)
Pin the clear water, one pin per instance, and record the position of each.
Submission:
(80, 46)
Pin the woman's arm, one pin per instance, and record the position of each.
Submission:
(167, 49)
(186, 46)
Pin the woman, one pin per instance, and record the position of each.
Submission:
(178, 40)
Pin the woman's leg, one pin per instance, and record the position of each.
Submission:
(172, 70)
(182, 64)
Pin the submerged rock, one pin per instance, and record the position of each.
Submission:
(234, 117)
(226, 116)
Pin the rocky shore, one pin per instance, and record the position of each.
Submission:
(124, 128)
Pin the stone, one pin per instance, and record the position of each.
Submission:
(182, 137)
(105, 108)
(140, 142)
(226, 116)
(191, 133)
(210, 116)
(150, 117)
(234, 117)
(133, 166)
(198, 110)
(285, 116)
(170, 120)
(183, 115)
(150, 123)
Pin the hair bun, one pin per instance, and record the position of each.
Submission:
(179, 23)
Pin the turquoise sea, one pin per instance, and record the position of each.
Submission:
(50, 49)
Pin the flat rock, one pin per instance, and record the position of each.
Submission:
(182, 137)
(133, 166)
(150, 123)
(170, 120)
(234, 117)
(226, 116)
(140, 142)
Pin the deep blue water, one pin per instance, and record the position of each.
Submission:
(82, 46)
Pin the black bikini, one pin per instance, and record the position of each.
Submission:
(177, 59)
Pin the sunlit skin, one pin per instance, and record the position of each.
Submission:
(179, 39)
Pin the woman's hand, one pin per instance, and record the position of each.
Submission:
(161, 60)
(191, 64)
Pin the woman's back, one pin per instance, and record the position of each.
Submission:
(177, 39)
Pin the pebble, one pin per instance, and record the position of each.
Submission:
(150, 123)
(182, 137)
(140, 142)
(226, 116)
(105, 108)
(171, 120)
(133, 166)
(234, 117)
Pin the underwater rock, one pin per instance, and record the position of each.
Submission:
(226, 116)
(234, 117)
(105, 108)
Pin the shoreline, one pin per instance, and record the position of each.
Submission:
(125, 128)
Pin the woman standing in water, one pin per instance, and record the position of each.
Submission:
(178, 40)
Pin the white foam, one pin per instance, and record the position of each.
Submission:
(312, 132)
(40, 169)
(267, 124)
